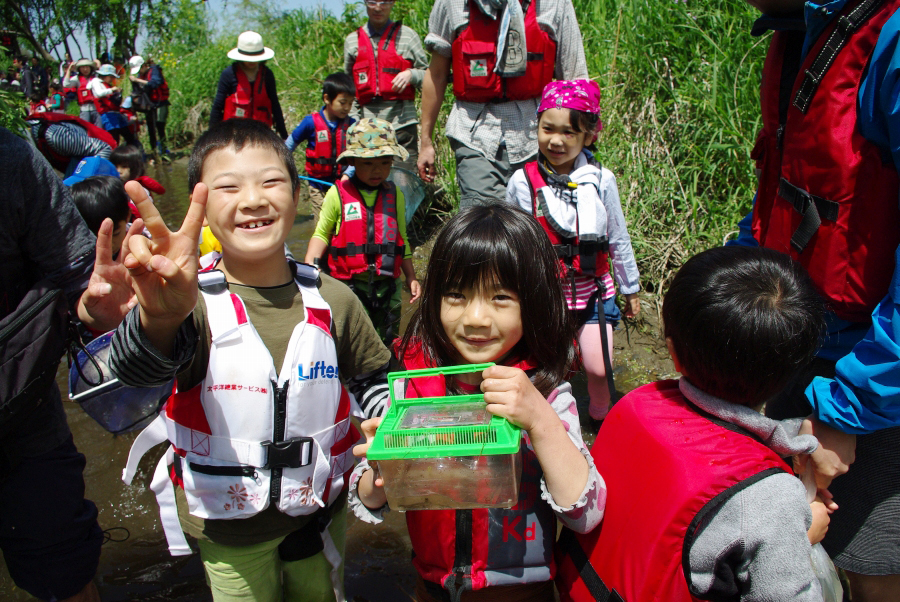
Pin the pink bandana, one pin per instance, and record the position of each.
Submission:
(579, 94)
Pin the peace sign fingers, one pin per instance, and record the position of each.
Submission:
(149, 213)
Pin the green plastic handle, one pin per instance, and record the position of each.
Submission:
(443, 370)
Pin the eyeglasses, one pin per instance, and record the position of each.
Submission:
(378, 3)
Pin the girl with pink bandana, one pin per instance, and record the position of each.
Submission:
(576, 201)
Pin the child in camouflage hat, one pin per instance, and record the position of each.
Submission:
(363, 219)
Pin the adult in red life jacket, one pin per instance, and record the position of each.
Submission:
(828, 196)
(493, 124)
(108, 100)
(700, 505)
(148, 76)
(247, 88)
(64, 140)
(82, 76)
(387, 62)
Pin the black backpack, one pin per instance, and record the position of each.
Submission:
(33, 338)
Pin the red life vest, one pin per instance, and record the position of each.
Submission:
(321, 160)
(249, 100)
(657, 499)
(827, 196)
(160, 93)
(373, 75)
(368, 239)
(475, 54)
(58, 161)
(474, 549)
(580, 258)
(85, 95)
(109, 103)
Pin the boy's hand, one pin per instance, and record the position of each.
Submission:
(835, 454)
(401, 81)
(164, 269)
(820, 520)
(509, 393)
(415, 290)
(632, 305)
(109, 295)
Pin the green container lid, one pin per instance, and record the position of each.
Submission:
(436, 427)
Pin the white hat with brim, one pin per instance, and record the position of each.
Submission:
(136, 62)
(250, 48)
(84, 63)
(105, 70)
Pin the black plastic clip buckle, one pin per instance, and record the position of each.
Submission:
(293, 453)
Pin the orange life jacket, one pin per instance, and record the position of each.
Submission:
(373, 75)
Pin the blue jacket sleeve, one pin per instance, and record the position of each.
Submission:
(227, 86)
(865, 394)
(305, 132)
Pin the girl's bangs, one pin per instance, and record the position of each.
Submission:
(479, 258)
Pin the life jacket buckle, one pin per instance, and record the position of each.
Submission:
(293, 453)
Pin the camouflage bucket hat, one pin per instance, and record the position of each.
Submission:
(372, 137)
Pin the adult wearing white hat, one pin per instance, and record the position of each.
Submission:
(247, 87)
(147, 76)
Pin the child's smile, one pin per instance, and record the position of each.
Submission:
(558, 141)
(482, 325)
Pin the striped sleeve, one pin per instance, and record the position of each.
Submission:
(137, 363)
(371, 391)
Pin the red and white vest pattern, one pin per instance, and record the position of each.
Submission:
(85, 96)
(373, 75)
(820, 158)
(246, 436)
(584, 259)
(475, 55)
(250, 100)
(368, 239)
(657, 499)
(321, 159)
(474, 549)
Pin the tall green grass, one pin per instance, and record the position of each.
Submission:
(680, 105)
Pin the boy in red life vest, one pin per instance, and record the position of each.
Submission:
(325, 134)
(700, 505)
(364, 220)
(259, 424)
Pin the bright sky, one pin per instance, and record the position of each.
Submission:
(222, 15)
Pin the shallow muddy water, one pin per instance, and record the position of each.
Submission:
(135, 563)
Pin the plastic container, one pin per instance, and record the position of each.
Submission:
(117, 408)
(445, 452)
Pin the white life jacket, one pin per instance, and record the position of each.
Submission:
(227, 431)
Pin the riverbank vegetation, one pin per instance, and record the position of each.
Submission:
(680, 82)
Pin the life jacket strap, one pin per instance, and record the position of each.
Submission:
(812, 208)
(570, 546)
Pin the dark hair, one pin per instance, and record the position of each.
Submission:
(337, 83)
(130, 156)
(743, 321)
(238, 133)
(498, 243)
(55, 86)
(99, 197)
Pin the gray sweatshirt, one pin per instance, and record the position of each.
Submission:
(755, 547)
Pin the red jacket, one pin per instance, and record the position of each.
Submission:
(373, 75)
(827, 196)
(321, 159)
(475, 55)
(109, 103)
(474, 549)
(85, 95)
(353, 250)
(584, 259)
(249, 101)
(660, 490)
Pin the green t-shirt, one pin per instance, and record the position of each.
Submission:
(274, 312)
